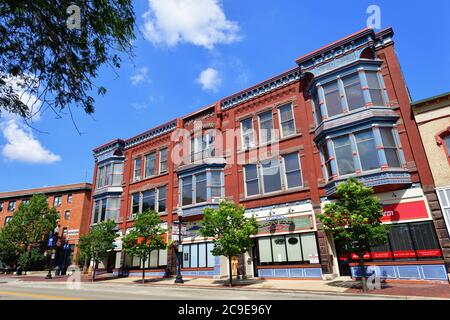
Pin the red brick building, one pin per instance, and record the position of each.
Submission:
(71, 201)
(279, 148)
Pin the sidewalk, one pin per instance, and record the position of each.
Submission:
(336, 286)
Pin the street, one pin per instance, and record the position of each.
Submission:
(11, 289)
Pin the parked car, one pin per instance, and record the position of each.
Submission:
(4, 268)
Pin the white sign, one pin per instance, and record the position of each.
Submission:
(313, 258)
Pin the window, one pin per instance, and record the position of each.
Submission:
(390, 148)
(163, 153)
(148, 200)
(8, 219)
(135, 202)
(326, 162)
(344, 155)
(366, 152)
(365, 142)
(57, 200)
(64, 232)
(109, 174)
(216, 184)
(69, 198)
(410, 242)
(317, 111)
(444, 200)
(271, 175)
(287, 124)
(251, 180)
(200, 188)
(186, 191)
(67, 215)
(292, 170)
(447, 144)
(150, 164)
(353, 92)
(247, 133)
(106, 209)
(156, 259)
(332, 99)
(1, 206)
(376, 93)
(198, 255)
(265, 127)
(202, 147)
(137, 169)
(287, 249)
(162, 199)
(25, 201)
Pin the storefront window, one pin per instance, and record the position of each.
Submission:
(156, 259)
(198, 255)
(287, 249)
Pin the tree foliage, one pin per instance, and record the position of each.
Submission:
(41, 56)
(354, 219)
(230, 229)
(146, 236)
(23, 239)
(98, 243)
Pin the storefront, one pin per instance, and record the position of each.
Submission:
(412, 250)
(286, 244)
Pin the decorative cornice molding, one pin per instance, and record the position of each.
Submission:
(150, 134)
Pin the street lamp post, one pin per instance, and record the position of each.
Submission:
(179, 278)
(51, 244)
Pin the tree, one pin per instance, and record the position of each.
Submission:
(23, 239)
(41, 55)
(230, 229)
(146, 236)
(98, 243)
(354, 219)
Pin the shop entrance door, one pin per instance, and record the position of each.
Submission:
(344, 259)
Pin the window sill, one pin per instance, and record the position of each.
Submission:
(274, 194)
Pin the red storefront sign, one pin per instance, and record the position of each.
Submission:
(405, 211)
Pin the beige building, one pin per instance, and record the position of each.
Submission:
(433, 119)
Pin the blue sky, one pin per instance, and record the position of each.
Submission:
(190, 53)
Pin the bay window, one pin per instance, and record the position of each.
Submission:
(366, 145)
(353, 92)
(376, 92)
(359, 151)
(201, 187)
(150, 165)
(347, 94)
(265, 127)
(344, 155)
(109, 174)
(247, 136)
(106, 209)
(390, 148)
(287, 124)
(287, 249)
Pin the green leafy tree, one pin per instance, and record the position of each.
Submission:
(147, 235)
(354, 219)
(42, 56)
(98, 243)
(230, 229)
(23, 238)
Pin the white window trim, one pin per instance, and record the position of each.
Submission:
(252, 144)
(293, 120)
(258, 178)
(145, 165)
(272, 133)
(137, 178)
(286, 185)
(159, 160)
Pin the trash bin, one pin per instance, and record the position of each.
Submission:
(57, 271)
(19, 271)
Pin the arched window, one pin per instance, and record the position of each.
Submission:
(443, 139)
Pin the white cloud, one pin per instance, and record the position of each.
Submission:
(22, 146)
(210, 80)
(139, 76)
(200, 22)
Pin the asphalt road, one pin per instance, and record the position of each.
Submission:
(22, 290)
